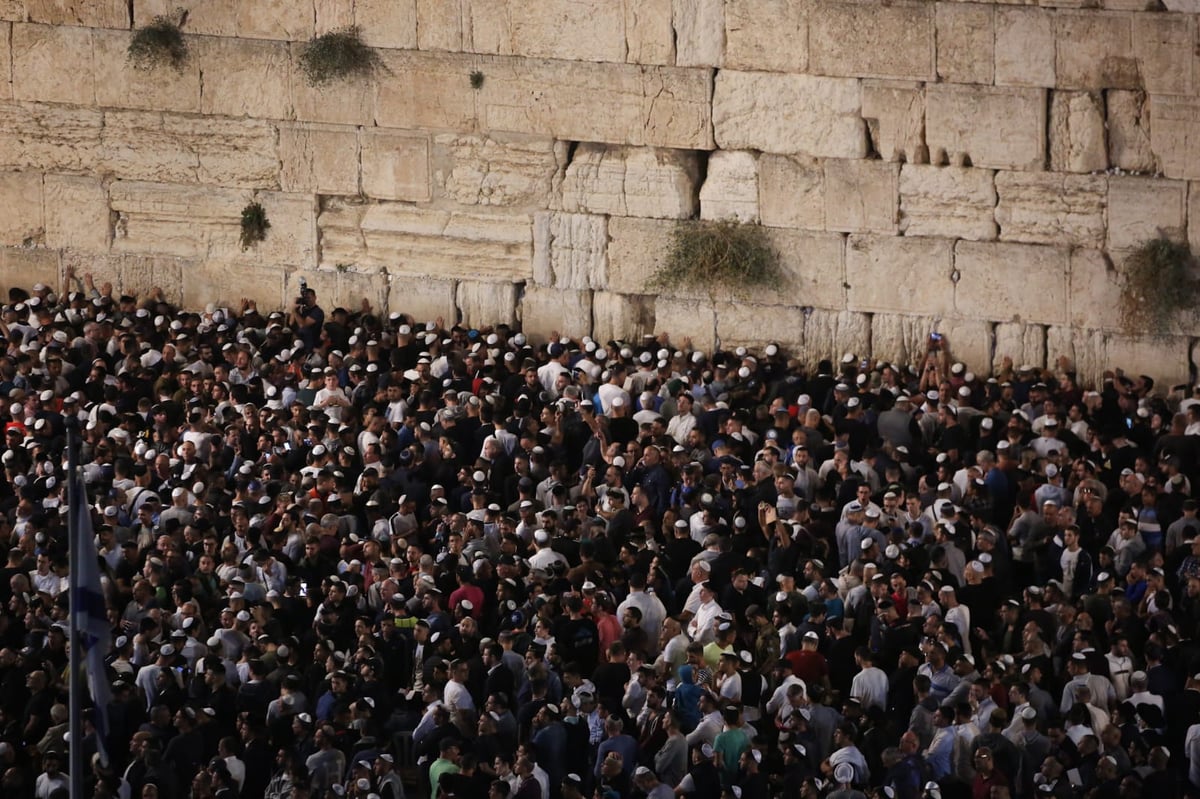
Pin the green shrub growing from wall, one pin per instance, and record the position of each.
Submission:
(160, 43)
(338, 55)
(1161, 281)
(718, 257)
(254, 225)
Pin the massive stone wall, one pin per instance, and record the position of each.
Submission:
(978, 168)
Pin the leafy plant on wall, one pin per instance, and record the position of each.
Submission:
(1160, 281)
(338, 55)
(718, 257)
(254, 225)
(160, 43)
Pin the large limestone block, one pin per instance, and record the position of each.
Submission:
(53, 64)
(570, 251)
(621, 316)
(749, 325)
(1145, 208)
(181, 149)
(694, 319)
(344, 102)
(1077, 136)
(730, 190)
(481, 303)
(1129, 131)
(1164, 45)
(175, 220)
(1025, 47)
(967, 340)
(790, 114)
(791, 191)
(766, 35)
(636, 250)
(1024, 344)
(966, 36)
(813, 267)
(12, 10)
(275, 19)
(1175, 135)
(345, 286)
(699, 32)
(244, 77)
(387, 23)
(649, 34)
(546, 311)
(1095, 297)
(828, 334)
(142, 274)
(22, 268)
(226, 282)
(120, 85)
(76, 213)
(1011, 282)
(6, 89)
(631, 181)
(996, 128)
(861, 196)
(895, 116)
(947, 201)
(204, 17)
(292, 238)
(509, 171)
(872, 41)
(1167, 359)
(1083, 349)
(578, 30)
(904, 339)
(440, 25)
(415, 241)
(395, 165)
(318, 158)
(1095, 51)
(900, 274)
(329, 15)
(49, 137)
(82, 13)
(22, 224)
(421, 298)
(1051, 208)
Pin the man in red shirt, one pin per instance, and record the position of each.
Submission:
(807, 663)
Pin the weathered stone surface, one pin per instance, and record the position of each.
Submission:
(861, 196)
(49, 137)
(904, 275)
(1144, 208)
(895, 117)
(1129, 131)
(1024, 344)
(421, 298)
(902, 338)
(827, 332)
(226, 282)
(387, 23)
(120, 85)
(730, 190)
(544, 311)
(621, 316)
(76, 213)
(631, 181)
(988, 127)
(699, 32)
(183, 221)
(1095, 291)
(813, 267)
(142, 274)
(318, 158)
(1165, 358)
(947, 201)
(1164, 47)
(204, 17)
(1175, 135)
(872, 41)
(275, 19)
(173, 148)
(346, 102)
(510, 171)
(1077, 136)
(579, 30)
(481, 303)
(570, 251)
(1084, 350)
(649, 35)
(636, 249)
(243, 77)
(1011, 282)
(966, 37)
(766, 35)
(416, 241)
(395, 165)
(6, 89)
(439, 25)
(694, 319)
(1095, 51)
(966, 340)
(791, 191)
(22, 268)
(749, 325)
(82, 13)
(292, 238)
(329, 15)
(801, 114)
(1051, 208)
(1193, 216)
(1024, 48)
(42, 59)
(22, 223)
(346, 285)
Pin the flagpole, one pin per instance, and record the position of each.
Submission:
(75, 688)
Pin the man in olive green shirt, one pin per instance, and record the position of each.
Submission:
(447, 763)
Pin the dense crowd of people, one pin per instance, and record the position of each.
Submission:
(351, 554)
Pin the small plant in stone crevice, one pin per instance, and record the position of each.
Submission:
(718, 257)
(254, 225)
(1161, 279)
(160, 43)
(477, 80)
(337, 55)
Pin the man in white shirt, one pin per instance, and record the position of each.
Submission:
(456, 696)
(870, 685)
(702, 628)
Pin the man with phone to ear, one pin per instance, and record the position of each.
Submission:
(307, 317)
